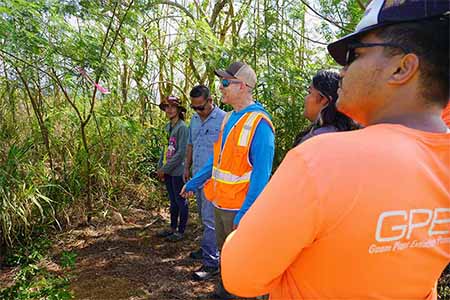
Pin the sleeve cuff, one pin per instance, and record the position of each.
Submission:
(189, 187)
(237, 218)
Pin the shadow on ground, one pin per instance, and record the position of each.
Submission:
(129, 262)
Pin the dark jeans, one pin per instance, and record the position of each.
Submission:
(178, 205)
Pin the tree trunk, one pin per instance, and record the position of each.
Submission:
(38, 114)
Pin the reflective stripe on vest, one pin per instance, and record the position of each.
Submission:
(244, 136)
(229, 178)
(225, 120)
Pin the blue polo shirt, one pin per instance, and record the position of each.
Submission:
(203, 135)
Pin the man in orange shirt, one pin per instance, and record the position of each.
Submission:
(362, 214)
(446, 115)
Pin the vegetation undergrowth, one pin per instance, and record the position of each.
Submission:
(33, 280)
(444, 284)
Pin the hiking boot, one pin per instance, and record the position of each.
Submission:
(205, 273)
(165, 233)
(196, 254)
(175, 237)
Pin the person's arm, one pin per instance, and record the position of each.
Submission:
(200, 177)
(262, 150)
(187, 163)
(159, 171)
(284, 220)
(182, 135)
(188, 160)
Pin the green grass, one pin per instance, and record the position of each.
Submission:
(33, 281)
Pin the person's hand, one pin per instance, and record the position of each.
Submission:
(185, 194)
(186, 175)
(160, 174)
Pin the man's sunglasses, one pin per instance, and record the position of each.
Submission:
(351, 56)
(227, 82)
(200, 107)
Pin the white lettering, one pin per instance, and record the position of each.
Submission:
(442, 221)
(424, 244)
(442, 240)
(412, 225)
(405, 229)
(398, 246)
(381, 218)
(373, 249)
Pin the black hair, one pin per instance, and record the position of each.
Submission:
(327, 83)
(429, 40)
(200, 90)
(181, 114)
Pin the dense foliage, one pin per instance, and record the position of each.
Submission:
(64, 140)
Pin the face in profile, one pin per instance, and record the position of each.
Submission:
(201, 105)
(231, 89)
(314, 102)
(363, 85)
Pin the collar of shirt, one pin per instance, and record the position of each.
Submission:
(169, 127)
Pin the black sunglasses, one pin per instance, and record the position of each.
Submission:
(200, 107)
(351, 56)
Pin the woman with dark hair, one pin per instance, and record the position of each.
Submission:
(320, 107)
(171, 167)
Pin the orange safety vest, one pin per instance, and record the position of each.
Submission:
(231, 172)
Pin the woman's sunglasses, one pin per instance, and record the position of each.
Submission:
(227, 82)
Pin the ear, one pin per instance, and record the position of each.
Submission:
(407, 68)
(323, 100)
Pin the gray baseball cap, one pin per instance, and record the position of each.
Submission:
(241, 71)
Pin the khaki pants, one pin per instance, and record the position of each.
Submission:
(224, 225)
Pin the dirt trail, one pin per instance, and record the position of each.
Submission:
(129, 262)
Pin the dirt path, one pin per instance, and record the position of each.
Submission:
(129, 262)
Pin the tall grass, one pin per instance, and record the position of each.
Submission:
(123, 152)
(23, 202)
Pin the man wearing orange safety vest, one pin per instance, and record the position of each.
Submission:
(362, 214)
(242, 161)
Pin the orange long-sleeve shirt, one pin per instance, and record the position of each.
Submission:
(446, 115)
(352, 215)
